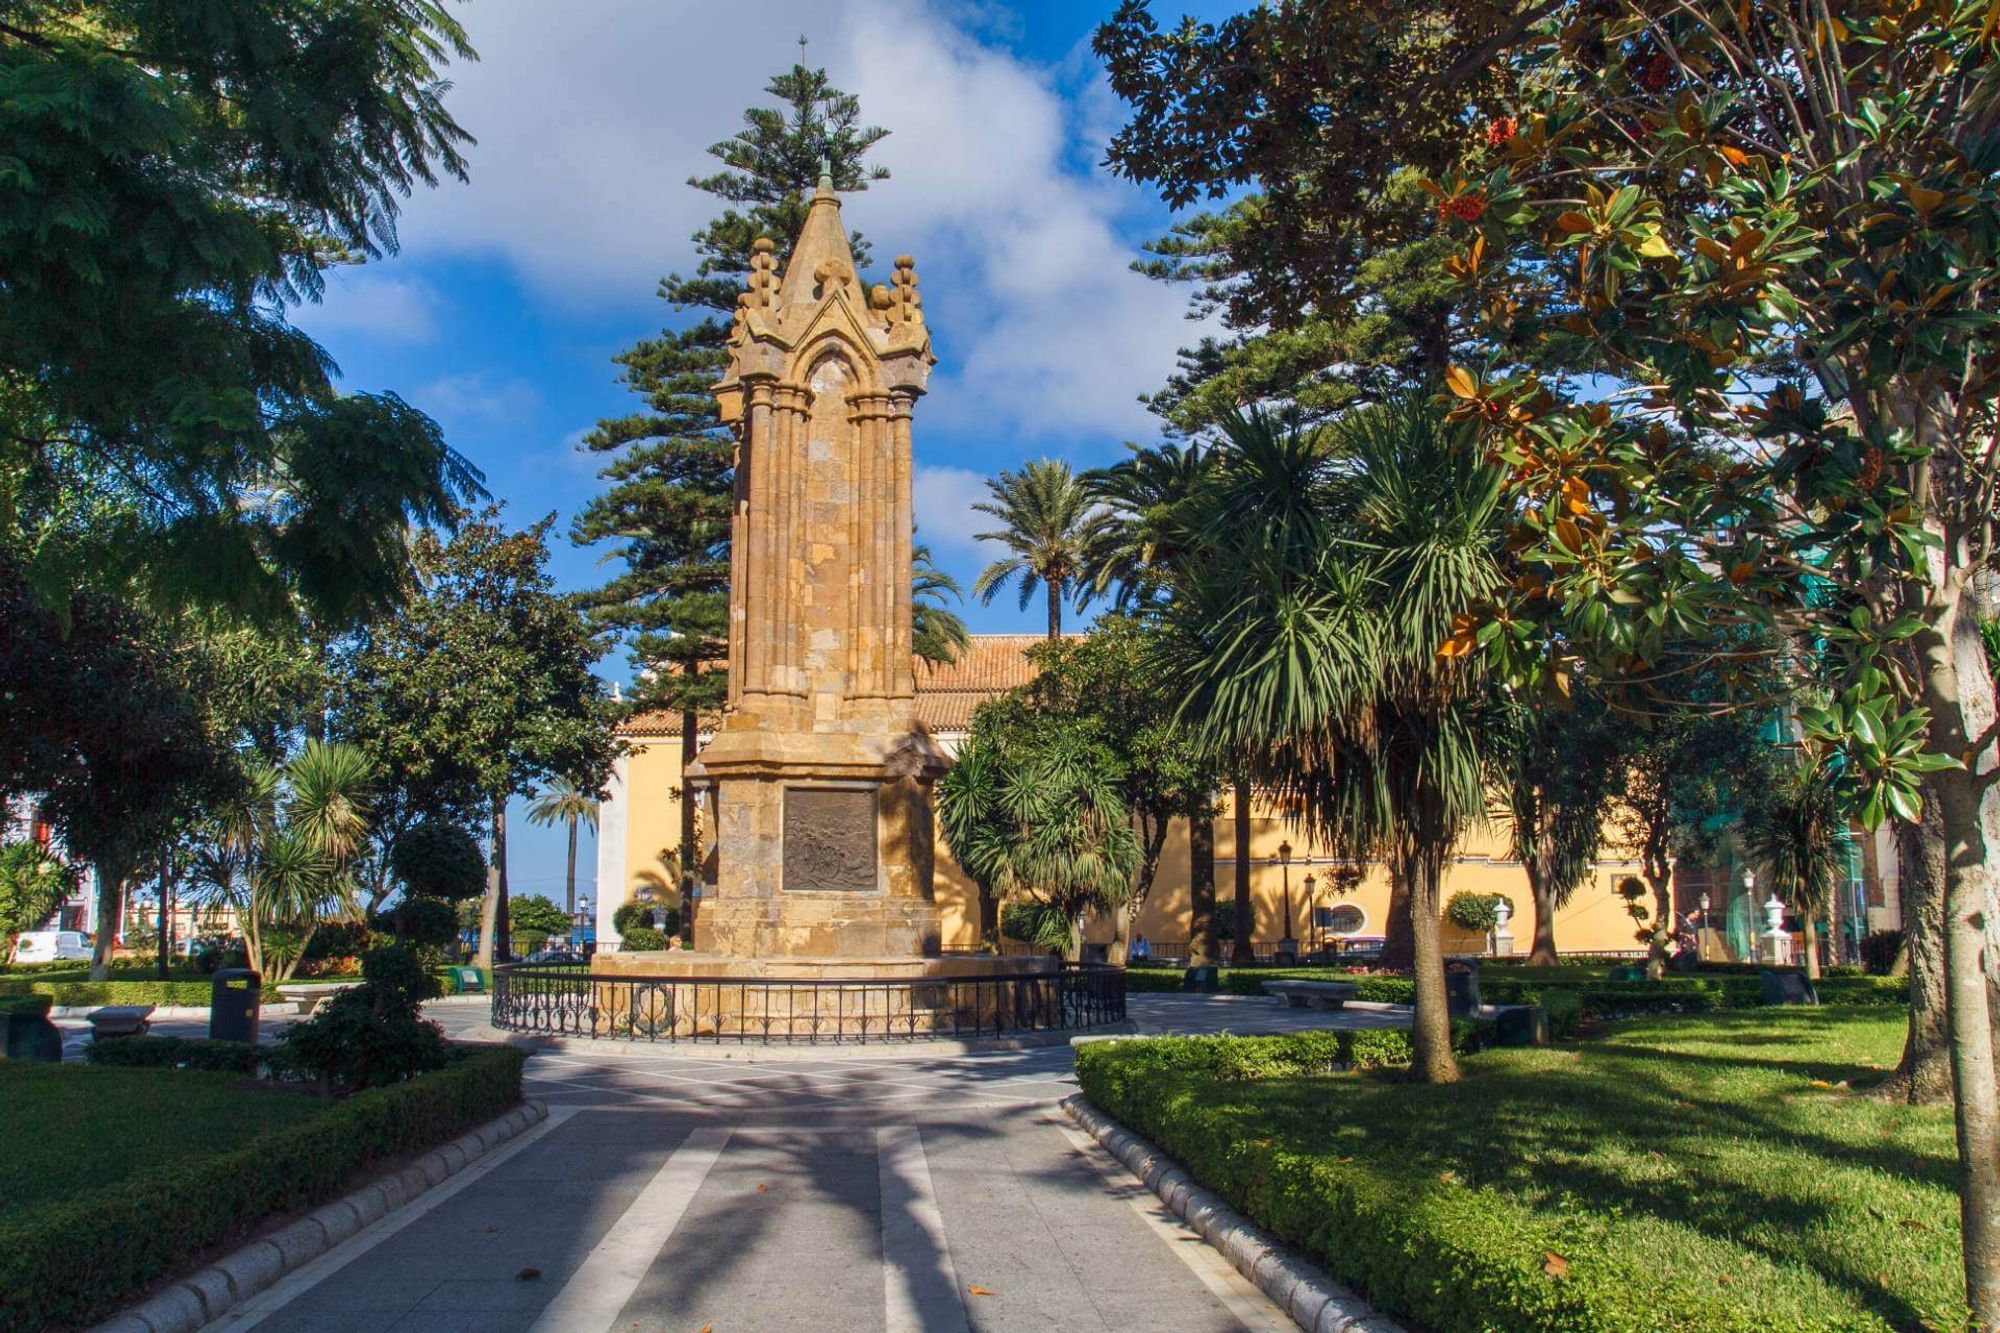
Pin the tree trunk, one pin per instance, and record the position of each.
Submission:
(1240, 952)
(569, 879)
(1544, 952)
(989, 916)
(1809, 924)
(110, 896)
(166, 910)
(1958, 690)
(1923, 1076)
(1432, 1060)
(490, 918)
(1398, 942)
(1055, 608)
(1204, 949)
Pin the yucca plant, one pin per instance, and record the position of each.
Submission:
(1313, 631)
(282, 853)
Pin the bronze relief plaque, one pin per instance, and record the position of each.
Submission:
(830, 839)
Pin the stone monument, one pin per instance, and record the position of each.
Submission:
(819, 772)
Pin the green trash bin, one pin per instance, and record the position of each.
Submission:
(234, 999)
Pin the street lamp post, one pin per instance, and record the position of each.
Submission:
(1313, 932)
(582, 921)
(1701, 932)
(1288, 948)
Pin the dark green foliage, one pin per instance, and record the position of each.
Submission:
(339, 939)
(154, 1221)
(448, 739)
(436, 858)
(1601, 1189)
(370, 1034)
(100, 711)
(670, 466)
(635, 916)
(1476, 912)
(644, 939)
(33, 883)
(178, 172)
(422, 923)
(1036, 923)
(149, 1052)
(535, 914)
(35, 1006)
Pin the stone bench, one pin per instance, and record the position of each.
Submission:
(120, 1020)
(310, 995)
(1305, 994)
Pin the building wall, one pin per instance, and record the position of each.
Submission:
(644, 800)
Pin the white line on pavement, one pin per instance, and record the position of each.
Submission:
(301, 1280)
(1250, 1306)
(919, 1282)
(590, 1301)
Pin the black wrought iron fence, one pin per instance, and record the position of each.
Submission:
(568, 1000)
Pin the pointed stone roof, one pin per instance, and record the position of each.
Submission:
(822, 254)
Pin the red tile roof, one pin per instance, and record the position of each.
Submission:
(946, 695)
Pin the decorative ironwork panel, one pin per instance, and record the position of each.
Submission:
(830, 839)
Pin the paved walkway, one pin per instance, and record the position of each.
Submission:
(862, 1189)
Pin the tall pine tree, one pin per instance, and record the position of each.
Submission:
(669, 465)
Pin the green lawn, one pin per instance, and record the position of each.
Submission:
(1686, 1173)
(74, 1127)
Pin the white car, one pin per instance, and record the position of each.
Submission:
(49, 946)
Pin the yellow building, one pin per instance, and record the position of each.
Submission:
(640, 825)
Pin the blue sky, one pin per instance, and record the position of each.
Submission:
(510, 294)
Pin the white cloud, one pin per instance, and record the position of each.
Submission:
(584, 150)
(376, 304)
(943, 498)
(477, 398)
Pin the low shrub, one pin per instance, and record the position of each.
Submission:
(640, 939)
(371, 1034)
(1474, 913)
(152, 1223)
(36, 1006)
(1879, 950)
(149, 1052)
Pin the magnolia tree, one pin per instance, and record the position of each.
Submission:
(1775, 225)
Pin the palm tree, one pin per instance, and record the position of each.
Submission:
(1143, 532)
(281, 853)
(1797, 832)
(1050, 521)
(1316, 632)
(563, 803)
(938, 636)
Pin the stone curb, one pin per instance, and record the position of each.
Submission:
(1315, 1302)
(195, 1301)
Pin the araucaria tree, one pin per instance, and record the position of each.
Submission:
(670, 467)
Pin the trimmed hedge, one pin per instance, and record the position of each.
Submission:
(1595, 997)
(1424, 1247)
(148, 1052)
(77, 993)
(77, 1261)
